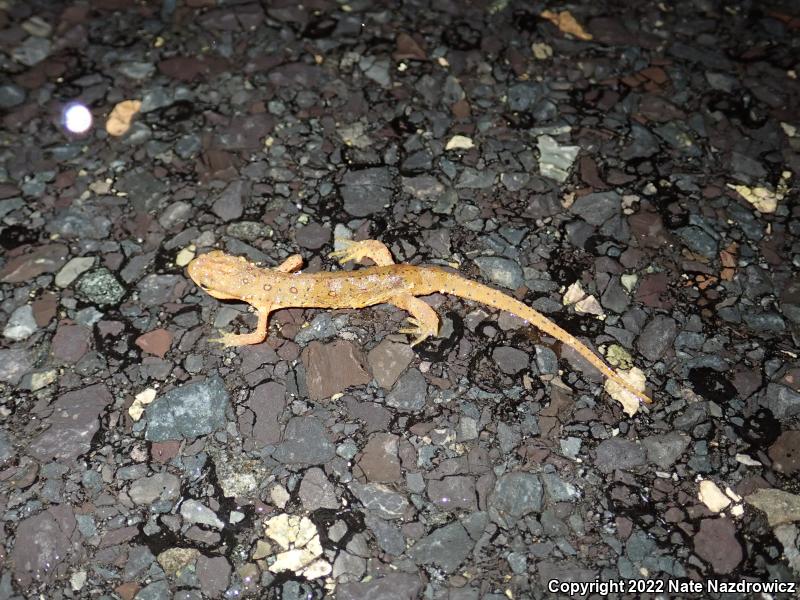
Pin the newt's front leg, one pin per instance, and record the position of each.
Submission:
(424, 320)
(244, 339)
(357, 251)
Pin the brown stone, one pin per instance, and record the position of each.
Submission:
(332, 368)
(156, 342)
(716, 543)
(785, 452)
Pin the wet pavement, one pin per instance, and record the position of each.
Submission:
(628, 169)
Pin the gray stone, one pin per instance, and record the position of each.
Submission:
(158, 289)
(72, 424)
(618, 453)
(197, 512)
(698, 241)
(501, 271)
(657, 337)
(189, 411)
(394, 586)
(158, 590)
(663, 450)
(388, 360)
(515, 495)
(643, 143)
(383, 500)
(559, 490)
(367, 191)
(316, 491)
(387, 534)
(597, 208)
(510, 360)
(45, 543)
(11, 95)
(782, 401)
(161, 486)
(100, 287)
(304, 442)
(555, 161)
(409, 393)
(446, 548)
(230, 204)
(7, 451)
(21, 324)
(474, 179)
(32, 51)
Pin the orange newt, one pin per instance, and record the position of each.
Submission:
(234, 278)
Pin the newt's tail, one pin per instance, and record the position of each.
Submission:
(477, 292)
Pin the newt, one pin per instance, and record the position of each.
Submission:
(234, 278)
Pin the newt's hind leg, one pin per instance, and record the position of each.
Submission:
(357, 251)
(245, 339)
(424, 320)
(291, 264)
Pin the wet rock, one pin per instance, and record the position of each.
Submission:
(456, 492)
(74, 269)
(21, 324)
(70, 343)
(474, 179)
(45, 543)
(716, 543)
(643, 144)
(388, 360)
(394, 586)
(657, 337)
(698, 241)
(377, 497)
(187, 412)
(313, 236)
(14, 363)
(501, 271)
(388, 535)
(597, 208)
(782, 401)
(267, 402)
(558, 489)
(515, 495)
(100, 287)
(663, 450)
(619, 454)
(176, 213)
(304, 442)
(197, 512)
(780, 507)
(316, 491)
(213, 573)
(409, 393)
(32, 51)
(11, 95)
(72, 424)
(446, 548)
(156, 342)
(332, 368)
(230, 204)
(379, 460)
(510, 360)
(7, 451)
(366, 191)
(159, 289)
(785, 452)
(43, 259)
(374, 416)
(161, 486)
(555, 161)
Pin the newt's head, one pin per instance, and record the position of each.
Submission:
(221, 275)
